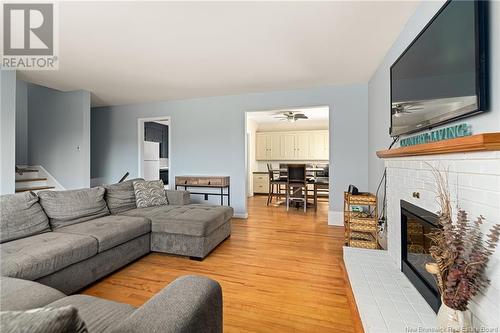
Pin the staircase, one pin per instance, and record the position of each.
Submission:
(32, 179)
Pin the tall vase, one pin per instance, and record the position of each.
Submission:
(451, 320)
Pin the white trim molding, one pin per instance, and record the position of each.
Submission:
(51, 180)
(240, 215)
(335, 218)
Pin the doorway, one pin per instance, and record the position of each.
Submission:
(154, 149)
(281, 137)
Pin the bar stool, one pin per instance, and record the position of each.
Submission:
(273, 182)
(296, 189)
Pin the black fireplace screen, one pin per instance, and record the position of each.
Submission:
(416, 223)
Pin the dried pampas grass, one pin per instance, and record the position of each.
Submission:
(460, 253)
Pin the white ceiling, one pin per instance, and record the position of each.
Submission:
(266, 121)
(129, 52)
(319, 113)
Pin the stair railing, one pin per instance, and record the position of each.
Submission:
(124, 177)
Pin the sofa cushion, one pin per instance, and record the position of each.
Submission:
(40, 255)
(112, 230)
(149, 193)
(19, 294)
(21, 216)
(42, 320)
(227, 211)
(120, 197)
(98, 314)
(74, 206)
(193, 220)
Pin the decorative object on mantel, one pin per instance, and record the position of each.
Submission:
(461, 256)
(361, 227)
(477, 142)
(445, 133)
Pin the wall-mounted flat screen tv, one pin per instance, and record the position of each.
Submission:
(441, 76)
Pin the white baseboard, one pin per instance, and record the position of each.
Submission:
(240, 215)
(335, 218)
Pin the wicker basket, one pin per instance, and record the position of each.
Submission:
(363, 240)
(362, 215)
(361, 228)
(362, 199)
(365, 225)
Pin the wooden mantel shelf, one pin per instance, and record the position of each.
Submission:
(478, 142)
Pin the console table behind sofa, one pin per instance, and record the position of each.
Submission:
(206, 182)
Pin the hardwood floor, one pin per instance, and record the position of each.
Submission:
(279, 271)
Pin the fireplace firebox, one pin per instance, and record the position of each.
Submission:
(416, 223)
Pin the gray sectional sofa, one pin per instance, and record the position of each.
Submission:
(68, 239)
(189, 304)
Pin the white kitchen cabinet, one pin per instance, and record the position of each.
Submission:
(289, 146)
(260, 147)
(274, 144)
(318, 145)
(261, 183)
(302, 146)
(325, 151)
(267, 146)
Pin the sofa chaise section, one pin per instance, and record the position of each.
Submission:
(190, 230)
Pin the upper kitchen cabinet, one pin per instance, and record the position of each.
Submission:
(318, 145)
(267, 146)
(302, 146)
(297, 145)
(287, 146)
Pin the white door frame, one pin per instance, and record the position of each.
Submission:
(140, 146)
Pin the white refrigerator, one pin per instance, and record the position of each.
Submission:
(151, 161)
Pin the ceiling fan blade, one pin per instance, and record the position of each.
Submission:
(300, 116)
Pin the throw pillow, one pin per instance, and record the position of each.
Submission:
(21, 216)
(74, 206)
(120, 197)
(43, 320)
(149, 193)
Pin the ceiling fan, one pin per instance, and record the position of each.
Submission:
(399, 109)
(291, 116)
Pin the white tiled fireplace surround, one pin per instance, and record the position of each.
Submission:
(385, 298)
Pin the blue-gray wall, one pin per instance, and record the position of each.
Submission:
(208, 136)
(7, 131)
(59, 134)
(379, 85)
(21, 122)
